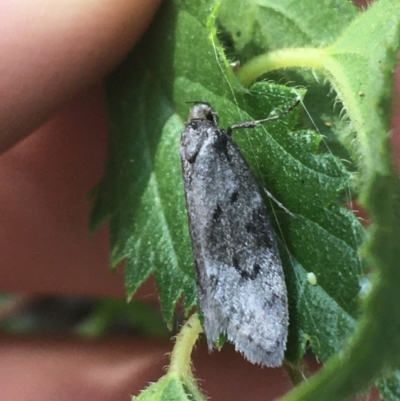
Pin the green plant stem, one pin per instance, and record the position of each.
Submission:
(180, 357)
(292, 57)
(185, 340)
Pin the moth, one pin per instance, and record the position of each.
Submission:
(239, 275)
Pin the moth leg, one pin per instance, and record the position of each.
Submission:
(278, 203)
(252, 124)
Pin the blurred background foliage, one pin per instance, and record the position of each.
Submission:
(81, 316)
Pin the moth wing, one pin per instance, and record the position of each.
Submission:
(245, 292)
(240, 279)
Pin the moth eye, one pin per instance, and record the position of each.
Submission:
(210, 116)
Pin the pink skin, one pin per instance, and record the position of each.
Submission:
(53, 134)
(54, 55)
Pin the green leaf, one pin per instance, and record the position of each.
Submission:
(142, 189)
(359, 64)
(265, 26)
(256, 26)
(138, 316)
(390, 386)
(315, 315)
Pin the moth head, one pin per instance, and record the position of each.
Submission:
(203, 111)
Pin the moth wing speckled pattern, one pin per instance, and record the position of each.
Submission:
(240, 280)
